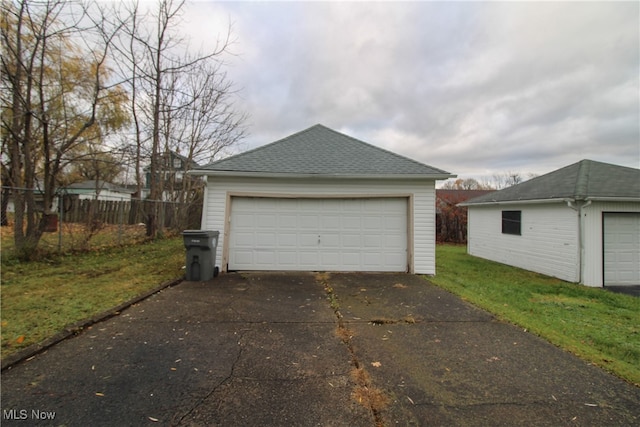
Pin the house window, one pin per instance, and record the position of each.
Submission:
(177, 164)
(511, 222)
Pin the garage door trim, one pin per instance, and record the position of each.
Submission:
(231, 195)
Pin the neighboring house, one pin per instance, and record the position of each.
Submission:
(580, 223)
(451, 219)
(39, 199)
(172, 171)
(100, 190)
(85, 190)
(319, 200)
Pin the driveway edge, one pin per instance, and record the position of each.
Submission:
(75, 328)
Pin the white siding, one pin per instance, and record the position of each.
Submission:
(593, 244)
(421, 231)
(548, 243)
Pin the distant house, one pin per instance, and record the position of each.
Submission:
(580, 223)
(97, 190)
(451, 219)
(172, 173)
(39, 199)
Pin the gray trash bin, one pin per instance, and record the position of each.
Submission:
(201, 254)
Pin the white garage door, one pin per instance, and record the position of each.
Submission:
(318, 234)
(621, 249)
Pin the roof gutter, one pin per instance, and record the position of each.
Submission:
(513, 202)
(311, 175)
(612, 199)
(555, 200)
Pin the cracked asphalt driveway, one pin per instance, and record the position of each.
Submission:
(310, 350)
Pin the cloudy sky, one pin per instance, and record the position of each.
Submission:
(475, 88)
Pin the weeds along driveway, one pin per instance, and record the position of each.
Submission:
(440, 361)
(307, 350)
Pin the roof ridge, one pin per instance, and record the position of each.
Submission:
(582, 179)
(264, 146)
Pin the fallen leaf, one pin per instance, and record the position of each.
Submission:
(410, 400)
(100, 394)
(376, 364)
(20, 339)
(174, 369)
(400, 286)
(155, 420)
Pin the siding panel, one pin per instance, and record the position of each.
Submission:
(548, 243)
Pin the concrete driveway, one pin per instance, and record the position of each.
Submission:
(310, 350)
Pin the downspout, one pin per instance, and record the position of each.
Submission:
(580, 252)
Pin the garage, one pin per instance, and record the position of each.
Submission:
(318, 234)
(321, 200)
(621, 237)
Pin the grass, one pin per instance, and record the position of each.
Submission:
(40, 298)
(597, 325)
(75, 238)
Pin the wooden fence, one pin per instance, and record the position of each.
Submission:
(168, 214)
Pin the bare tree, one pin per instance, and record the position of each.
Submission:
(465, 184)
(167, 107)
(54, 69)
(507, 179)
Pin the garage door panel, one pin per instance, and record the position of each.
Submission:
(330, 258)
(287, 258)
(244, 257)
(351, 241)
(286, 220)
(394, 241)
(266, 240)
(244, 239)
(373, 241)
(349, 261)
(244, 220)
(287, 240)
(330, 241)
(307, 240)
(265, 258)
(267, 220)
(351, 223)
(318, 234)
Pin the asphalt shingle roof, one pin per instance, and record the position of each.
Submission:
(323, 151)
(102, 185)
(586, 179)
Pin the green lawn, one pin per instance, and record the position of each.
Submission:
(596, 325)
(40, 298)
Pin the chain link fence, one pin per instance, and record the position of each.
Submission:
(76, 222)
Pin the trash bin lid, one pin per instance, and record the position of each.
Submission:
(200, 233)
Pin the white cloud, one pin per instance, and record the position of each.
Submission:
(467, 87)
